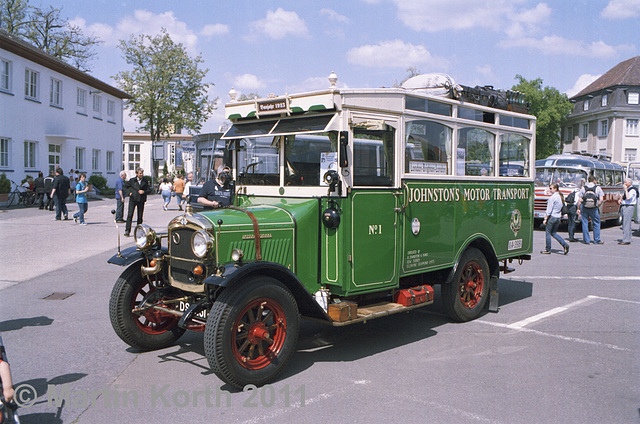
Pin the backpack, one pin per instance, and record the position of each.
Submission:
(590, 198)
(631, 189)
(571, 198)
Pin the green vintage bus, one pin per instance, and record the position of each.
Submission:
(349, 205)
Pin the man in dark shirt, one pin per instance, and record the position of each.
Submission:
(137, 189)
(48, 186)
(218, 193)
(38, 186)
(60, 193)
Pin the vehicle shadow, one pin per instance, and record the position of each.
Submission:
(319, 342)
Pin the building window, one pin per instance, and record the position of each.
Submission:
(633, 98)
(79, 158)
(97, 103)
(604, 128)
(54, 157)
(55, 97)
(95, 160)
(585, 105)
(30, 154)
(5, 154)
(81, 98)
(134, 156)
(630, 155)
(111, 107)
(569, 134)
(5, 75)
(30, 84)
(585, 131)
(632, 127)
(605, 99)
(109, 161)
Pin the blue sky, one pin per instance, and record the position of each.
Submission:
(290, 46)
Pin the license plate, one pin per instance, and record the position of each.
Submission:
(183, 306)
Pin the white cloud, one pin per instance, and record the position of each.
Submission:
(521, 24)
(395, 53)
(215, 29)
(486, 71)
(555, 45)
(279, 24)
(142, 22)
(246, 82)
(438, 15)
(581, 83)
(622, 9)
(334, 16)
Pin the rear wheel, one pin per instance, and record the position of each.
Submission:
(465, 295)
(145, 330)
(251, 332)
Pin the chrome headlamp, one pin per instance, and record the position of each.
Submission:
(201, 243)
(144, 236)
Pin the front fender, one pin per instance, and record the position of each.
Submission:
(234, 273)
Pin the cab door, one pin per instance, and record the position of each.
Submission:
(374, 204)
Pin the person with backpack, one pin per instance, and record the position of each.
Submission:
(627, 203)
(590, 198)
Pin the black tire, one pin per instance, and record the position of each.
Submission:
(240, 326)
(465, 294)
(150, 331)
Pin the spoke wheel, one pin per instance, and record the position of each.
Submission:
(251, 332)
(146, 330)
(466, 293)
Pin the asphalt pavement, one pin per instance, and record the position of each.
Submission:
(563, 348)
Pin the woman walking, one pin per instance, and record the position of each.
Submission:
(552, 219)
(81, 199)
(165, 190)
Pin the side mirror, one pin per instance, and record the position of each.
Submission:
(344, 143)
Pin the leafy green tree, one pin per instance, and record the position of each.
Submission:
(166, 85)
(45, 29)
(551, 108)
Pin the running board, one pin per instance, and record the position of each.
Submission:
(378, 310)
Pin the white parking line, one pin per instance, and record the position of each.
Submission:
(518, 325)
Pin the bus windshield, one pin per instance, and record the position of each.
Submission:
(564, 177)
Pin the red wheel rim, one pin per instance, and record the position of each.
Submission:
(151, 321)
(471, 285)
(259, 333)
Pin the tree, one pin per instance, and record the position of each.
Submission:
(45, 29)
(166, 86)
(551, 108)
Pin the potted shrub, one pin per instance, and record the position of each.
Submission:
(5, 188)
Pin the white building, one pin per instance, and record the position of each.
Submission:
(52, 114)
(138, 152)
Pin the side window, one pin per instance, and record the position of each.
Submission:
(475, 152)
(427, 148)
(514, 155)
(373, 156)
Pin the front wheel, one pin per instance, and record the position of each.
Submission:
(465, 295)
(149, 329)
(251, 332)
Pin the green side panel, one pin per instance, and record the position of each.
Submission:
(297, 109)
(317, 108)
(443, 218)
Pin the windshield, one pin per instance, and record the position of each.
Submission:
(564, 177)
(307, 157)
